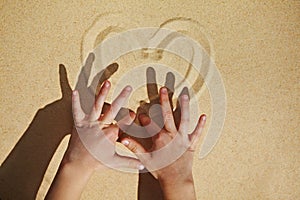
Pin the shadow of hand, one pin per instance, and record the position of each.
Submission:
(23, 170)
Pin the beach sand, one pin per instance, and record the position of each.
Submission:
(255, 46)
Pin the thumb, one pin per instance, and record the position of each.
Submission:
(133, 146)
(137, 149)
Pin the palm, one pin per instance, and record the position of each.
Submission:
(171, 148)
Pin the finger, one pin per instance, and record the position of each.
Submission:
(151, 127)
(64, 83)
(102, 76)
(126, 121)
(96, 111)
(117, 104)
(133, 146)
(137, 149)
(169, 84)
(194, 137)
(177, 112)
(143, 108)
(127, 162)
(155, 113)
(152, 86)
(76, 107)
(185, 114)
(112, 132)
(167, 111)
(123, 112)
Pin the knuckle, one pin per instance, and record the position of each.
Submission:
(133, 148)
(168, 115)
(124, 93)
(78, 124)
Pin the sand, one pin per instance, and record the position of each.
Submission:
(255, 46)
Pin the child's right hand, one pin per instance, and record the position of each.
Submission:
(173, 147)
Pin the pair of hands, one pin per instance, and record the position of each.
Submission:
(99, 125)
(94, 127)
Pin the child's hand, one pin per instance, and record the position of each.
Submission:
(98, 134)
(91, 146)
(170, 142)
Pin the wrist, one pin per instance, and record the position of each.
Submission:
(174, 180)
(76, 170)
(178, 188)
(69, 182)
(174, 175)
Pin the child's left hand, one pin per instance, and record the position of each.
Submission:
(98, 134)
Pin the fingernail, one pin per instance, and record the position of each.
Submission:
(128, 88)
(204, 118)
(142, 115)
(75, 92)
(107, 84)
(131, 114)
(164, 90)
(125, 142)
(141, 167)
(185, 97)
